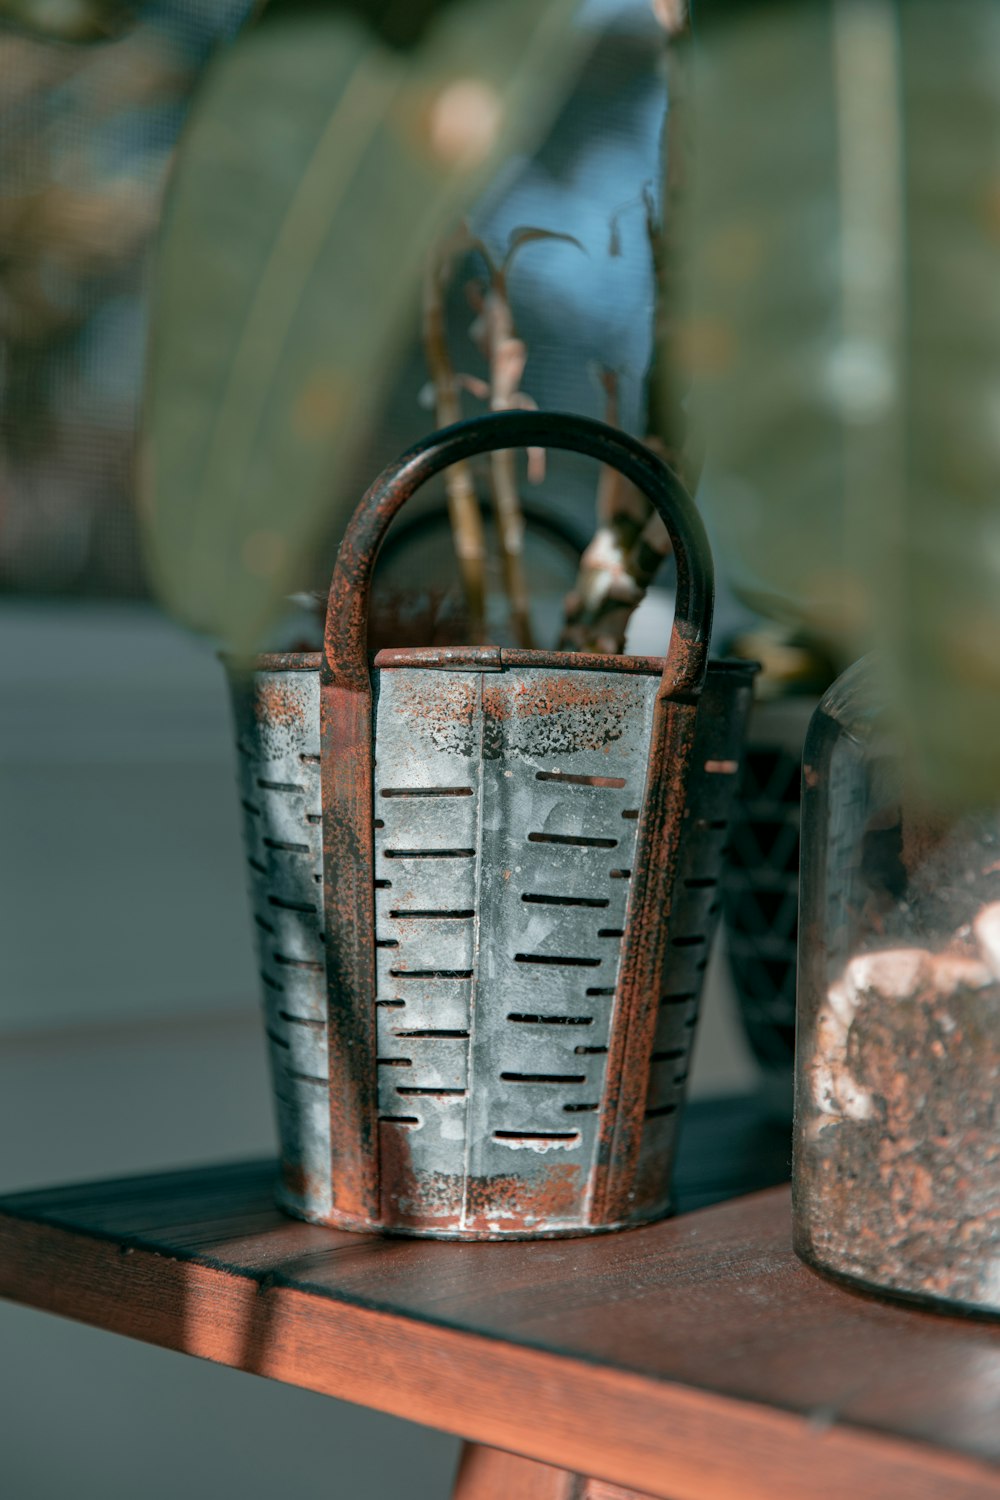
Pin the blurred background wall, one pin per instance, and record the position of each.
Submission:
(129, 1037)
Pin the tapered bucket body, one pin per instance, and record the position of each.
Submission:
(484, 884)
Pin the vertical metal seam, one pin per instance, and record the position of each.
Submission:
(474, 984)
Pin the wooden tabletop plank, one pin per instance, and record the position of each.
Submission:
(696, 1359)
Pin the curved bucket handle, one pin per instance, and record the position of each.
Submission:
(345, 654)
(346, 778)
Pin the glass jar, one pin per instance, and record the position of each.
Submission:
(897, 1129)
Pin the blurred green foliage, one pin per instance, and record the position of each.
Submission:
(844, 345)
(324, 157)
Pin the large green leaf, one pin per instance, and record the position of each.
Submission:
(846, 347)
(318, 169)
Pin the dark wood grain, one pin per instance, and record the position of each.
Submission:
(696, 1359)
(488, 1474)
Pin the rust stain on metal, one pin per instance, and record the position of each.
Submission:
(516, 1203)
(445, 715)
(510, 1206)
(552, 715)
(349, 923)
(637, 999)
(374, 1184)
(278, 703)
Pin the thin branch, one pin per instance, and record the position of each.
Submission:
(506, 356)
(597, 612)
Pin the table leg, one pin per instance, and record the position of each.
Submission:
(487, 1474)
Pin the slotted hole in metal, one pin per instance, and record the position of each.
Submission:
(572, 840)
(284, 905)
(536, 899)
(426, 791)
(278, 786)
(544, 1077)
(286, 846)
(430, 973)
(567, 961)
(569, 778)
(536, 1135)
(441, 1034)
(429, 853)
(516, 1015)
(298, 963)
(434, 916)
(431, 1093)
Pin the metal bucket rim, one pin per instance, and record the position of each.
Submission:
(569, 661)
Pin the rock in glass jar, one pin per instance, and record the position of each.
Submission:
(897, 1128)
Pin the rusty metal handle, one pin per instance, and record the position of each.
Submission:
(346, 637)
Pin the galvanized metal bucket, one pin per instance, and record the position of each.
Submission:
(484, 883)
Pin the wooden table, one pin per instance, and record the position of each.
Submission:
(694, 1360)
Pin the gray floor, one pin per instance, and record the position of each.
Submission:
(129, 1041)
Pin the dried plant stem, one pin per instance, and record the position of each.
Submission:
(507, 356)
(463, 502)
(598, 609)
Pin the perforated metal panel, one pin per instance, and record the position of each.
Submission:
(277, 738)
(505, 814)
(504, 837)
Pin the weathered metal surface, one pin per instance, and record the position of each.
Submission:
(502, 835)
(277, 737)
(425, 722)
